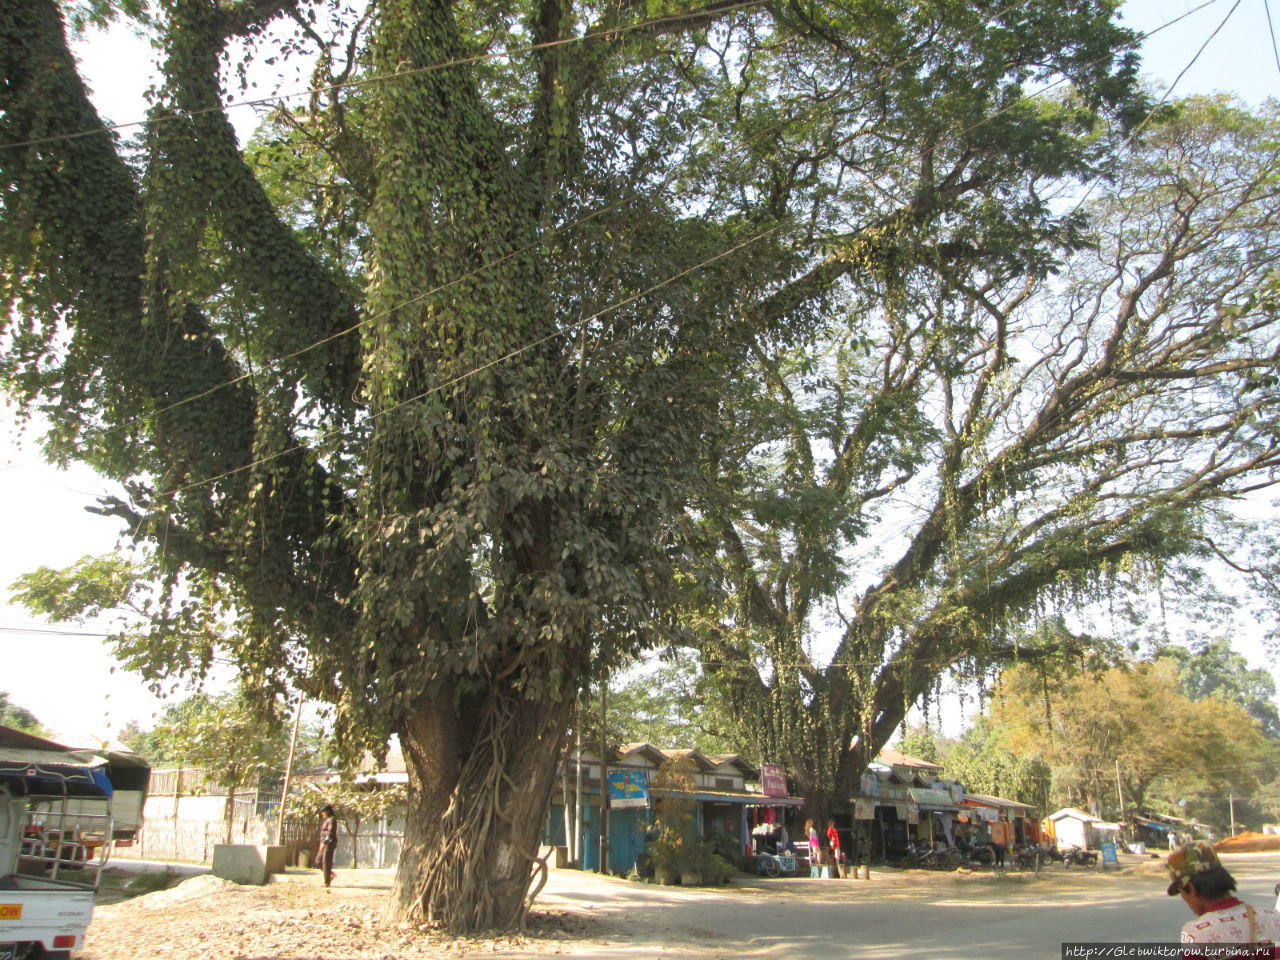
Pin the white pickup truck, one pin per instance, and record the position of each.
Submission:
(56, 827)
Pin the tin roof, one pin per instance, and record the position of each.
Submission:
(893, 758)
(986, 801)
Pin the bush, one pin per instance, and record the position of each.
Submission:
(148, 882)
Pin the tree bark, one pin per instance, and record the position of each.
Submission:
(469, 860)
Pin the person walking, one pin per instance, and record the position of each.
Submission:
(1208, 890)
(328, 841)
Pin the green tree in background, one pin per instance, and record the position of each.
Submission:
(19, 718)
(982, 761)
(225, 735)
(1132, 721)
(1213, 669)
(356, 804)
(669, 703)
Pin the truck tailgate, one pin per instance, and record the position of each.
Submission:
(32, 908)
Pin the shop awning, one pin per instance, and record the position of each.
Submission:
(746, 799)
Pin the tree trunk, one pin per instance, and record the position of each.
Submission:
(231, 811)
(477, 803)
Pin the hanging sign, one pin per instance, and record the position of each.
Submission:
(773, 780)
(628, 788)
(864, 808)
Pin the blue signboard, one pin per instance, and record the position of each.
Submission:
(628, 788)
(1109, 853)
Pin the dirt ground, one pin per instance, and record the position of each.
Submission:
(295, 918)
(208, 918)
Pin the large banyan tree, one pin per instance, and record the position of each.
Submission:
(988, 448)
(422, 382)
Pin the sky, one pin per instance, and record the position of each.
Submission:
(64, 673)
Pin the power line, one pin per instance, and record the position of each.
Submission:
(1206, 43)
(410, 72)
(52, 631)
(480, 58)
(1129, 140)
(1275, 50)
(562, 229)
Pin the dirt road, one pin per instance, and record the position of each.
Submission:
(894, 915)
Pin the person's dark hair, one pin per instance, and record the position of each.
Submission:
(327, 808)
(1213, 884)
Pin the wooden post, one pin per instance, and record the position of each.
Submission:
(288, 769)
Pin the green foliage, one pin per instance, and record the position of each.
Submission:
(148, 882)
(1213, 670)
(919, 743)
(226, 735)
(670, 704)
(970, 446)
(354, 802)
(1134, 722)
(84, 14)
(167, 628)
(983, 761)
(19, 718)
(675, 844)
(91, 587)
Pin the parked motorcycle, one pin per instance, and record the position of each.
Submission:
(942, 858)
(1030, 856)
(1082, 858)
(979, 853)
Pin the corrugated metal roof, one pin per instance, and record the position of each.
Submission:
(894, 758)
(989, 801)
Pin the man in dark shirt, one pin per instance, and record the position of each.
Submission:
(328, 841)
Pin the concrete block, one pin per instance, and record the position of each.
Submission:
(556, 857)
(277, 858)
(240, 862)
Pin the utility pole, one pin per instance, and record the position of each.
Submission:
(1119, 792)
(577, 790)
(604, 782)
(288, 769)
(1231, 799)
